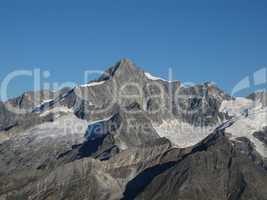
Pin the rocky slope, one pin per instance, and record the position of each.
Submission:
(130, 135)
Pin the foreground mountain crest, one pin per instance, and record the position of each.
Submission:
(130, 135)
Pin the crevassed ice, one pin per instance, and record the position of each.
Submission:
(237, 106)
(182, 134)
(245, 126)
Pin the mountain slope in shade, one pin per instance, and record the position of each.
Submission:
(213, 170)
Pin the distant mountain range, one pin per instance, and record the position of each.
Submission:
(130, 135)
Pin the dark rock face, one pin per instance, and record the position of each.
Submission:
(214, 171)
(106, 138)
(83, 179)
(31, 99)
(116, 153)
(7, 118)
(261, 135)
(200, 104)
(19, 113)
(15, 122)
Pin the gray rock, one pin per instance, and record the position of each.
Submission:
(107, 147)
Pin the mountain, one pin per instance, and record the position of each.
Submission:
(260, 96)
(130, 135)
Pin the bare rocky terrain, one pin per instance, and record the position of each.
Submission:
(130, 135)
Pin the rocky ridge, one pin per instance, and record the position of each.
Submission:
(165, 141)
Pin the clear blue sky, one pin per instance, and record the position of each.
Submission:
(217, 40)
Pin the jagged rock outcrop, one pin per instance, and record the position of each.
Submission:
(129, 135)
(261, 135)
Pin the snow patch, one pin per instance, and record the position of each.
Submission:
(92, 84)
(56, 110)
(182, 134)
(47, 101)
(69, 127)
(245, 125)
(236, 107)
(101, 120)
(44, 103)
(154, 78)
(149, 76)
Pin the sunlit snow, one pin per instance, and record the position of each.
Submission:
(182, 134)
(245, 126)
(92, 84)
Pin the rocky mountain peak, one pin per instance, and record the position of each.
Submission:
(124, 67)
(161, 143)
